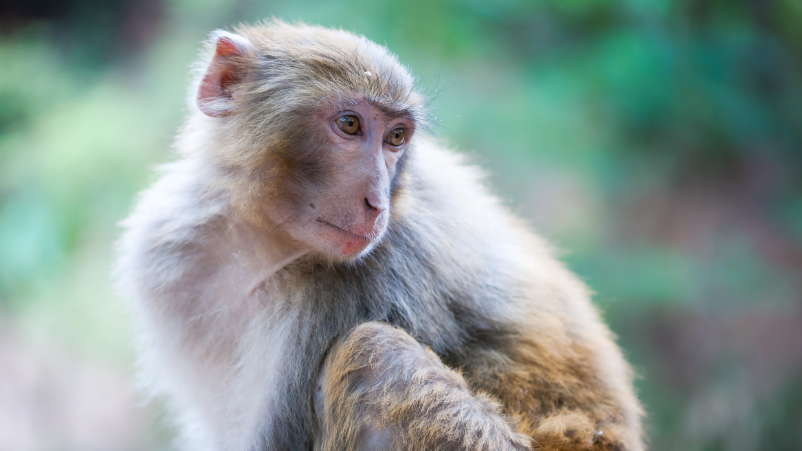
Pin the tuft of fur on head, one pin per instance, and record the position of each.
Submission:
(263, 149)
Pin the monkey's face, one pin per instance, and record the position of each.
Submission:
(313, 147)
(346, 210)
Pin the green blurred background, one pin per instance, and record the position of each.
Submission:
(658, 143)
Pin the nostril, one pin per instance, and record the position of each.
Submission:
(374, 208)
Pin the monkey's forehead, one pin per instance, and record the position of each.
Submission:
(390, 107)
(322, 62)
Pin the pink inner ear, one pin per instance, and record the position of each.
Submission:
(219, 75)
(227, 47)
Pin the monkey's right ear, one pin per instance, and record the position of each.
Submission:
(214, 93)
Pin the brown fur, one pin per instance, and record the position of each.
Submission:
(455, 329)
(405, 389)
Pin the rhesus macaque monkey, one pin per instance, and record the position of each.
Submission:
(316, 272)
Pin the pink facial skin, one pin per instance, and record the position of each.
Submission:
(353, 213)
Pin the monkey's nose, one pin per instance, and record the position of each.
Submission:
(374, 206)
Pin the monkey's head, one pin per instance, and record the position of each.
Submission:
(310, 129)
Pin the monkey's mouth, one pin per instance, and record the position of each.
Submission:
(348, 243)
(344, 232)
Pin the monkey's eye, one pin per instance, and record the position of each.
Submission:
(396, 137)
(349, 124)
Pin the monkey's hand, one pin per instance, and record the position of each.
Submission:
(380, 389)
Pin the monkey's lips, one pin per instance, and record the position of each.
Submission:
(349, 243)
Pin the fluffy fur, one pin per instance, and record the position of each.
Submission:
(237, 344)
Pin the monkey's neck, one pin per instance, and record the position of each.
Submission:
(265, 252)
(270, 271)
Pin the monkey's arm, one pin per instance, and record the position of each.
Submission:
(380, 389)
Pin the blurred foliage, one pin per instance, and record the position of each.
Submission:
(658, 142)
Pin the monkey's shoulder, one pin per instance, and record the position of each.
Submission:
(168, 228)
(457, 227)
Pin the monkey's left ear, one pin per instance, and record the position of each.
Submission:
(214, 94)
